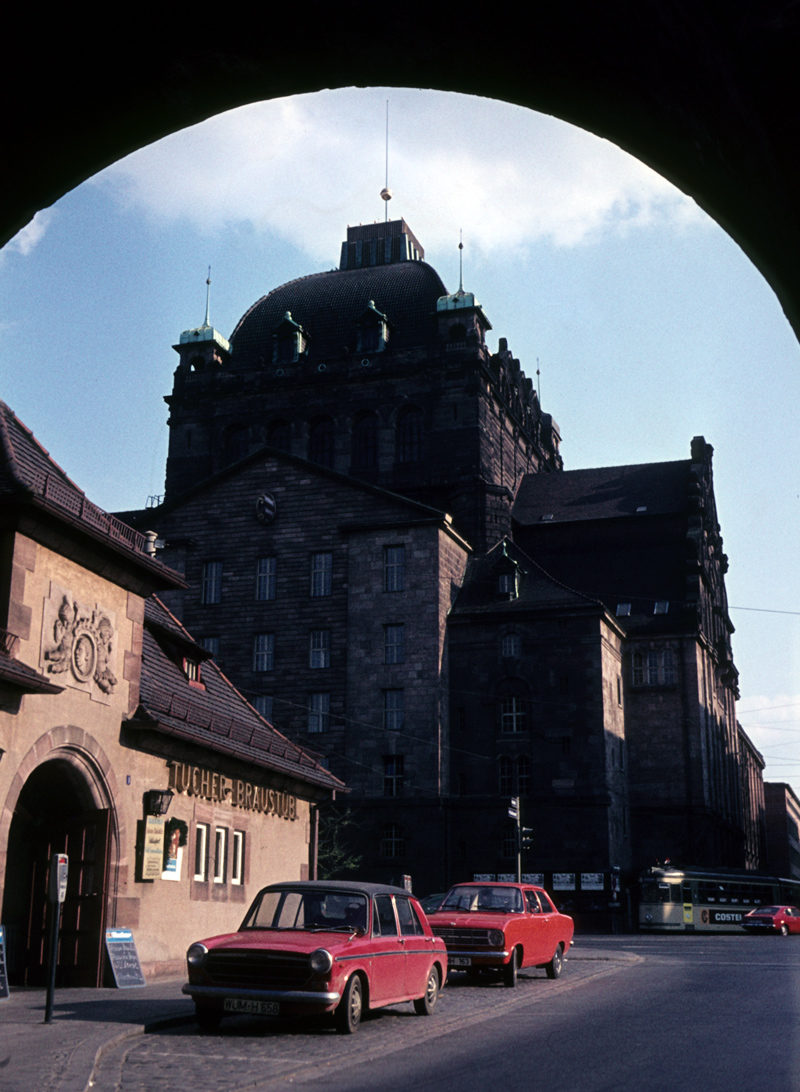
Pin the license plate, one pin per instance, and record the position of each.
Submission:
(255, 1008)
(459, 961)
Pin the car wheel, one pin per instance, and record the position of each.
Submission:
(510, 970)
(424, 1006)
(208, 1017)
(348, 1012)
(784, 930)
(554, 966)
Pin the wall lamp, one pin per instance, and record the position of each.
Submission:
(157, 801)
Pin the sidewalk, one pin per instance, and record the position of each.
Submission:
(60, 1056)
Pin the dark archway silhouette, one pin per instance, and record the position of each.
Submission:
(701, 90)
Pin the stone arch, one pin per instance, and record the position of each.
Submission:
(70, 763)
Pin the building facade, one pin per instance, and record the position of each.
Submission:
(123, 746)
(559, 636)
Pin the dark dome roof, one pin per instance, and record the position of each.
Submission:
(328, 306)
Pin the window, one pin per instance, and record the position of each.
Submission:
(394, 644)
(365, 443)
(264, 652)
(262, 703)
(512, 645)
(384, 922)
(210, 644)
(652, 669)
(512, 715)
(393, 710)
(266, 578)
(623, 610)
(409, 437)
(668, 664)
(237, 857)
(201, 851)
(505, 776)
(320, 442)
(393, 843)
(220, 854)
(211, 587)
(637, 670)
(661, 606)
(319, 712)
(523, 775)
(279, 435)
(393, 775)
(566, 746)
(320, 648)
(321, 570)
(394, 568)
(507, 585)
(407, 916)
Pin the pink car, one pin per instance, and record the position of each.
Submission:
(772, 919)
(323, 946)
(502, 927)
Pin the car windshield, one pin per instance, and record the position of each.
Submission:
(313, 909)
(477, 897)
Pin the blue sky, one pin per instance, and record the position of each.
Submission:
(648, 323)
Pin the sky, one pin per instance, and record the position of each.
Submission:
(646, 322)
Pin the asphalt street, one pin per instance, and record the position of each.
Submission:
(629, 1013)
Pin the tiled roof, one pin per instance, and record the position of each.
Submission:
(537, 589)
(609, 492)
(328, 306)
(27, 470)
(15, 673)
(217, 717)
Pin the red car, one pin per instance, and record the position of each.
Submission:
(502, 927)
(772, 919)
(319, 947)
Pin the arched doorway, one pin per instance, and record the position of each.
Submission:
(57, 812)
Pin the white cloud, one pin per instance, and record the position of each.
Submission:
(301, 167)
(26, 239)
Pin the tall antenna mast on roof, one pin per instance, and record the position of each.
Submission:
(386, 193)
(460, 263)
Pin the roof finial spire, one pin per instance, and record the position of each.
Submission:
(386, 193)
(460, 263)
(208, 298)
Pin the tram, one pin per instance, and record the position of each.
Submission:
(703, 900)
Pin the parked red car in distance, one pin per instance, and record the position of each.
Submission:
(319, 947)
(502, 927)
(772, 919)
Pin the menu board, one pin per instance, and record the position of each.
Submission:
(124, 958)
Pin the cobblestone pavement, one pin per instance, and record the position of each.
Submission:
(255, 1054)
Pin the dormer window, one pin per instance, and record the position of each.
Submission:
(289, 341)
(191, 669)
(508, 584)
(372, 330)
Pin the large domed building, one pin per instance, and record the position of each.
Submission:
(384, 553)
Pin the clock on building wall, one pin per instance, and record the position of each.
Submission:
(265, 508)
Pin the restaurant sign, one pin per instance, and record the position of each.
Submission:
(196, 781)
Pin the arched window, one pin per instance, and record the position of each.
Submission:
(409, 437)
(279, 434)
(505, 776)
(458, 331)
(237, 445)
(365, 443)
(320, 442)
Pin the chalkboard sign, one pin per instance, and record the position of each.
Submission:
(3, 975)
(121, 948)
